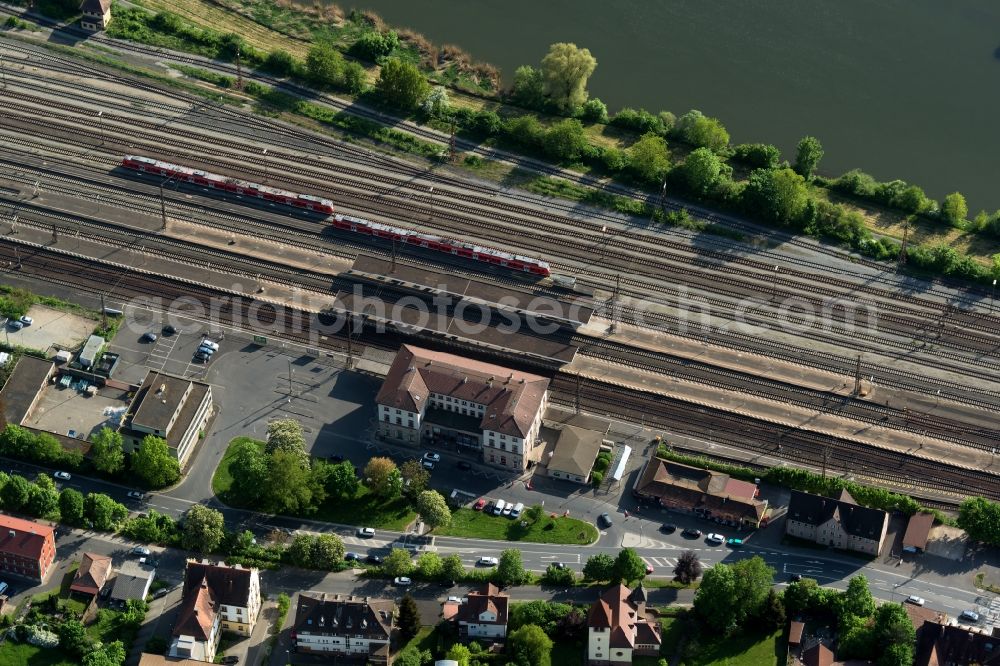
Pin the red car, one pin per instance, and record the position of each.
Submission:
(480, 503)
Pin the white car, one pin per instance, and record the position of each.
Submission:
(366, 532)
(915, 600)
(715, 538)
(214, 346)
(141, 550)
(402, 581)
(456, 600)
(65, 476)
(507, 509)
(427, 464)
(487, 561)
(27, 321)
(135, 494)
(432, 457)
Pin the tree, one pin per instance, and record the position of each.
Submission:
(374, 44)
(341, 480)
(379, 476)
(204, 529)
(300, 552)
(528, 88)
(70, 506)
(560, 576)
(459, 653)
(754, 578)
(16, 493)
(73, 638)
(799, 596)
(529, 646)
(572, 625)
(355, 78)
(954, 210)
(103, 512)
(327, 551)
(452, 568)
(777, 195)
(544, 614)
(433, 508)
(409, 618)
(599, 567)
(134, 613)
(757, 155)
(807, 156)
(279, 62)
(401, 84)
(248, 469)
(715, 600)
(397, 563)
(565, 70)
(106, 451)
(649, 159)
(324, 65)
(291, 488)
(510, 570)
(107, 654)
(44, 500)
(628, 566)
(409, 656)
(437, 102)
(153, 463)
(857, 599)
(701, 131)
(772, 614)
(595, 111)
(429, 564)
(701, 170)
(688, 568)
(286, 435)
(565, 140)
(415, 477)
(976, 515)
(894, 635)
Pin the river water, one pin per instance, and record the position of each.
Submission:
(900, 88)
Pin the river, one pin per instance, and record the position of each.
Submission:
(900, 88)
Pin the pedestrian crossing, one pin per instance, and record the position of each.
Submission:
(660, 562)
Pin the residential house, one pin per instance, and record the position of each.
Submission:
(132, 581)
(235, 589)
(96, 14)
(940, 644)
(92, 574)
(700, 491)
(431, 397)
(618, 628)
(333, 625)
(199, 625)
(836, 522)
(170, 407)
(27, 548)
(483, 615)
(817, 654)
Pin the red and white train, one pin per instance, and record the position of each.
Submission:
(349, 223)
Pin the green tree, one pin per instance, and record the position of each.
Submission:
(153, 463)
(954, 210)
(893, 628)
(300, 552)
(106, 451)
(857, 599)
(324, 65)
(291, 488)
(565, 70)
(754, 579)
(528, 88)
(452, 568)
(510, 570)
(381, 477)
(203, 529)
(857, 639)
(437, 102)
(401, 84)
(327, 551)
(433, 508)
(629, 566)
(103, 512)
(799, 596)
(599, 567)
(757, 155)
(429, 564)
(73, 638)
(715, 600)
(649, 159)
(43, 501)
(415, 477)
(286, 435)
(688, 568)
(776, 195)
(355, 78)
(409, 656)
(979, 517)
(16, 493)
(342, 481)
(595, 111)
(409, 618)
(701, 170)
(541, 613)
(565, 140)
(525, 131)
(529, 646)
(701, 131)
(397, 563)
(459, 653)
(154, 527)
(807, 156)
(280, 62)
(106, 654)
(70, 506)
(248, 469)
(374, 45)
(772, 614)
(558, 576)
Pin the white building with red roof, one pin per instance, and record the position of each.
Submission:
(27, 548)
(618, 629)
(483, 615)
(431, 397)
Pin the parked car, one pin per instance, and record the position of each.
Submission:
(26, 320)
(15, 324)
(487, 561)
(65, 476)
(148, 337)
(557, 565)
(202, 358)
(714, 538)
(691, 533)
(734, 542)
(162, 592)
(231, 659)
(507, 509)
(136, 494)
(604, 521)
(971, 616)
(795, 578)
(214, 346)
(205, 350)
(516, 511)
(4, 587)
(432, 457)
(141, 550)
(915, 600)
(372, 558)
(464, 465)
(668, 528)
(498, 507)
(427, 464)
(456, 600)
(480, 504)
(402, 581)
(168, 330)
(366, 532)
(352, 557)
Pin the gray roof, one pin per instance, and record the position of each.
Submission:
(153, 409)
(576, 449)
(856, 520)
(131, 582)
(336, 615)
(22, 387)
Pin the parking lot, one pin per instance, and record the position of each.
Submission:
(50, 327)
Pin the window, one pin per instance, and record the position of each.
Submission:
(503, 460)
(492, 459)
(503, 436)
(513, 448)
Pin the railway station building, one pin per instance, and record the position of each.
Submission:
(837, 522)
(438, 399)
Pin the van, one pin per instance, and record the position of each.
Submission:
(498, 508)
(516, 511)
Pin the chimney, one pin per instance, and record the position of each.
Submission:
(12, 533)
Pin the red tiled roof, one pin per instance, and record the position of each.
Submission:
(795, 630)
(511, 398)
(817, 655)
(918, 530)
(92, 574)
(198, 611)
(28, 538)
(479, 601)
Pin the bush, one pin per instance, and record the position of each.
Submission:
(525, 131)
(596, 479)
(375, 45)
(595, 111)
(757, 155)
(488, 123)
(558, 576)
(280, 63)
(640, 121)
